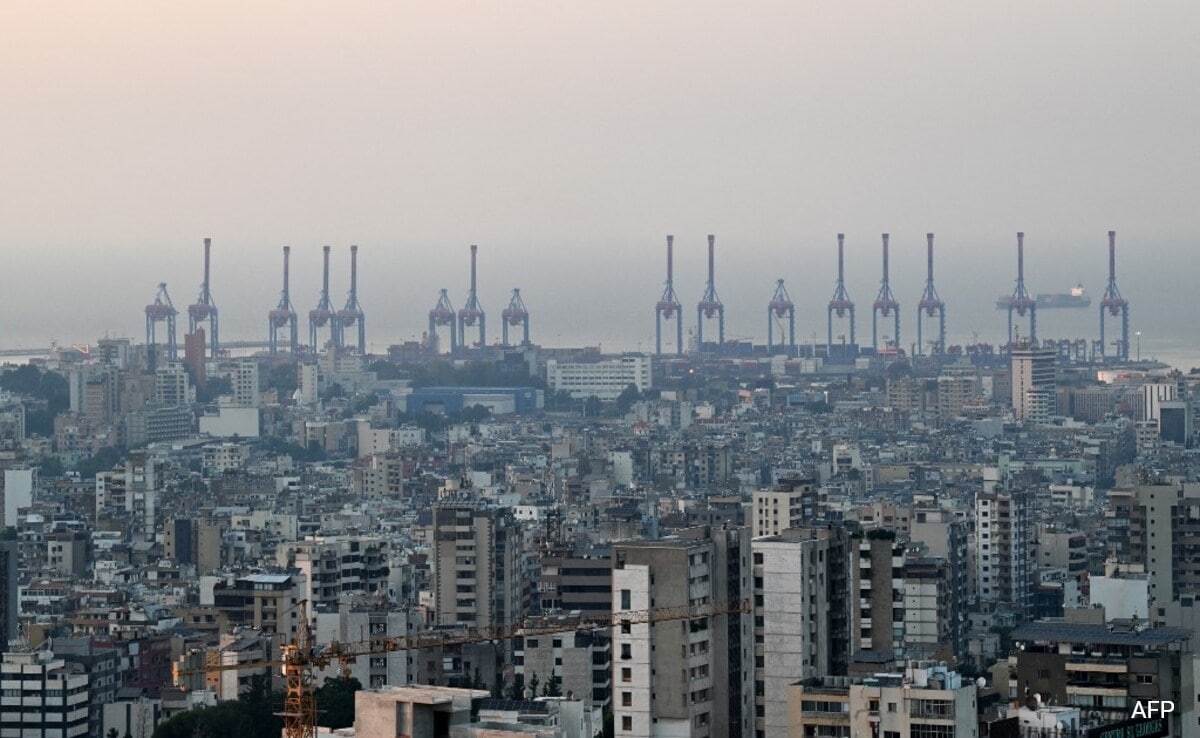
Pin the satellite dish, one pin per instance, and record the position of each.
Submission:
(980, 683)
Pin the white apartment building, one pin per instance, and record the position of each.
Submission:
(17, 490)
(1033, 380)
(245, 384)
(783, 507)
(41, 695)
(603, 379)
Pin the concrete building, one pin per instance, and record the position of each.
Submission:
(193, 541)
(877, 583)
(569, 583)
(1005, 551)
(42, 696)
(19, 483)
(790, 504)
(334, 566)
(956, 393)
(244, 380)
(380, 475)
(1033, 383)
(603, 379)
(265, 602)
(219, 458)
(172, 386)
(666, 677)
(581, 660)
(1101, 668)
(1163, 528)
(135, 717)
(349, 623)
(67, 553)
(99, 660)
(414, 712)
(499, 400)
(944, 536)
(8, 594)
(925, 700)
(792, 620)
(476, 565)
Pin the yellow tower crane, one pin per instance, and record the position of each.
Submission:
(301, 658)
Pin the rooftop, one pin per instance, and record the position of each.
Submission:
(1063, 632)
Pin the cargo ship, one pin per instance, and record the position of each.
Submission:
(1076, 298)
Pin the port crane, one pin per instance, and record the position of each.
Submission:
(301, 658)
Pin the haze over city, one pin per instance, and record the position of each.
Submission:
(568, 139)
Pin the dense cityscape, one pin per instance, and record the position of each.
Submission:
(478, 534)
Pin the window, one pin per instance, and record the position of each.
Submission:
(627, 674)
(627, 699)
(626, 597)
(627, 723)
(626, 651)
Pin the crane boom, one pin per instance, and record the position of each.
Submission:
(301, 658)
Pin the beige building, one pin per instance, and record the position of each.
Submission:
(476, 565)
(785, 506)
(1034, 375)
(926, 700)
(413, 712)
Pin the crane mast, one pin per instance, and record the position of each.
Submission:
(301, 658)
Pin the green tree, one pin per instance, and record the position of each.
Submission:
(553, 686)
(533, 685)
(213, 388)
(52, 466)
(386, 370)
(112, 733)
(335, 702)
(591, 407)
(628, 396)
(104, 460)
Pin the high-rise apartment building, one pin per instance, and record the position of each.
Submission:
(1033, 382)
(42, 696)
(8, 593)
(789, 504)
(1005, 551)
(172, 386)
(878, 585)
(476, 565)
(793, 619)
(245, 384)
(680, 678)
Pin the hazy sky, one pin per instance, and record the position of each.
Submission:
(566, 138)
